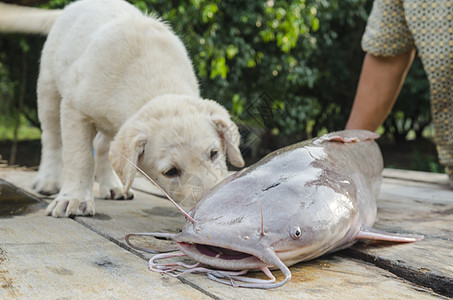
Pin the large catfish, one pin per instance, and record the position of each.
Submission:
(297, 203)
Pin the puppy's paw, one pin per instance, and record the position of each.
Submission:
(110, 187)
(46, 185)
(115, 193)
(65, 207)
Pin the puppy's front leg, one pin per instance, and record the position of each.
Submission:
(76, 196)
(110, 186)
(48, 181)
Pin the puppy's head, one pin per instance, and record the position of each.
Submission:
(181, 142)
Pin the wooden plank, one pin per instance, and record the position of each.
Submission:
(325, 277)
(43, 257)
(428, 262)
(317, 279)
(145, 213)
(409, 175)
(22, 178)
(421, 192)
(420, 209)
(328, 277)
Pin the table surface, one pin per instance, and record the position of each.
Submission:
(86, 257)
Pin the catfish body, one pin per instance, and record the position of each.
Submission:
(325, 188)
(295, 204)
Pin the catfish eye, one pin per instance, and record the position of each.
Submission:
(214, 154)
(295, 233)
(172, 172)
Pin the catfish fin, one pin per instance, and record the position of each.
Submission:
(350, 136)
(341, 139)
(368, 233)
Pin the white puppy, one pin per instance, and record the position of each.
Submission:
(108, 69)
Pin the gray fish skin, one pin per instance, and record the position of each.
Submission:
(326, 187)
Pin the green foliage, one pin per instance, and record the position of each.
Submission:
(24, 131)
(19, 65)
(304, 54)
(419, 154)
(56, 4)
(424, 162)
(6, 94)
(19, 68)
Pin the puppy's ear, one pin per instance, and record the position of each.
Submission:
(131, 147)
(229, 133)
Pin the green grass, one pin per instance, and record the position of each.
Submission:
(25, 132)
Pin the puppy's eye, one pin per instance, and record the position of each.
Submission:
(172, 172)
(295, 233)
(214, 154)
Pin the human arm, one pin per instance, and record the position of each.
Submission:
(380, 82)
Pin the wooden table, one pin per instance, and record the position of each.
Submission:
(87, 258)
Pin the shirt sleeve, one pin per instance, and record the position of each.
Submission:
(387, 33)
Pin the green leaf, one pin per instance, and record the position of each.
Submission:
(219, 67)
(231, 51)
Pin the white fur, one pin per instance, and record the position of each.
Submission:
(108, 69)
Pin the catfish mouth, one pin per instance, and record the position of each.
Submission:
(220, 257)
(234, 262)
(221, 253)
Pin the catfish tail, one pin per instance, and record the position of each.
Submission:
(23, 19)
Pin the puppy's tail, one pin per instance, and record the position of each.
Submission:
(22, 19)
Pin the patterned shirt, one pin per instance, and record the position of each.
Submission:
(396, 26)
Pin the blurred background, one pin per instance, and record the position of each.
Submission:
(286, 70)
